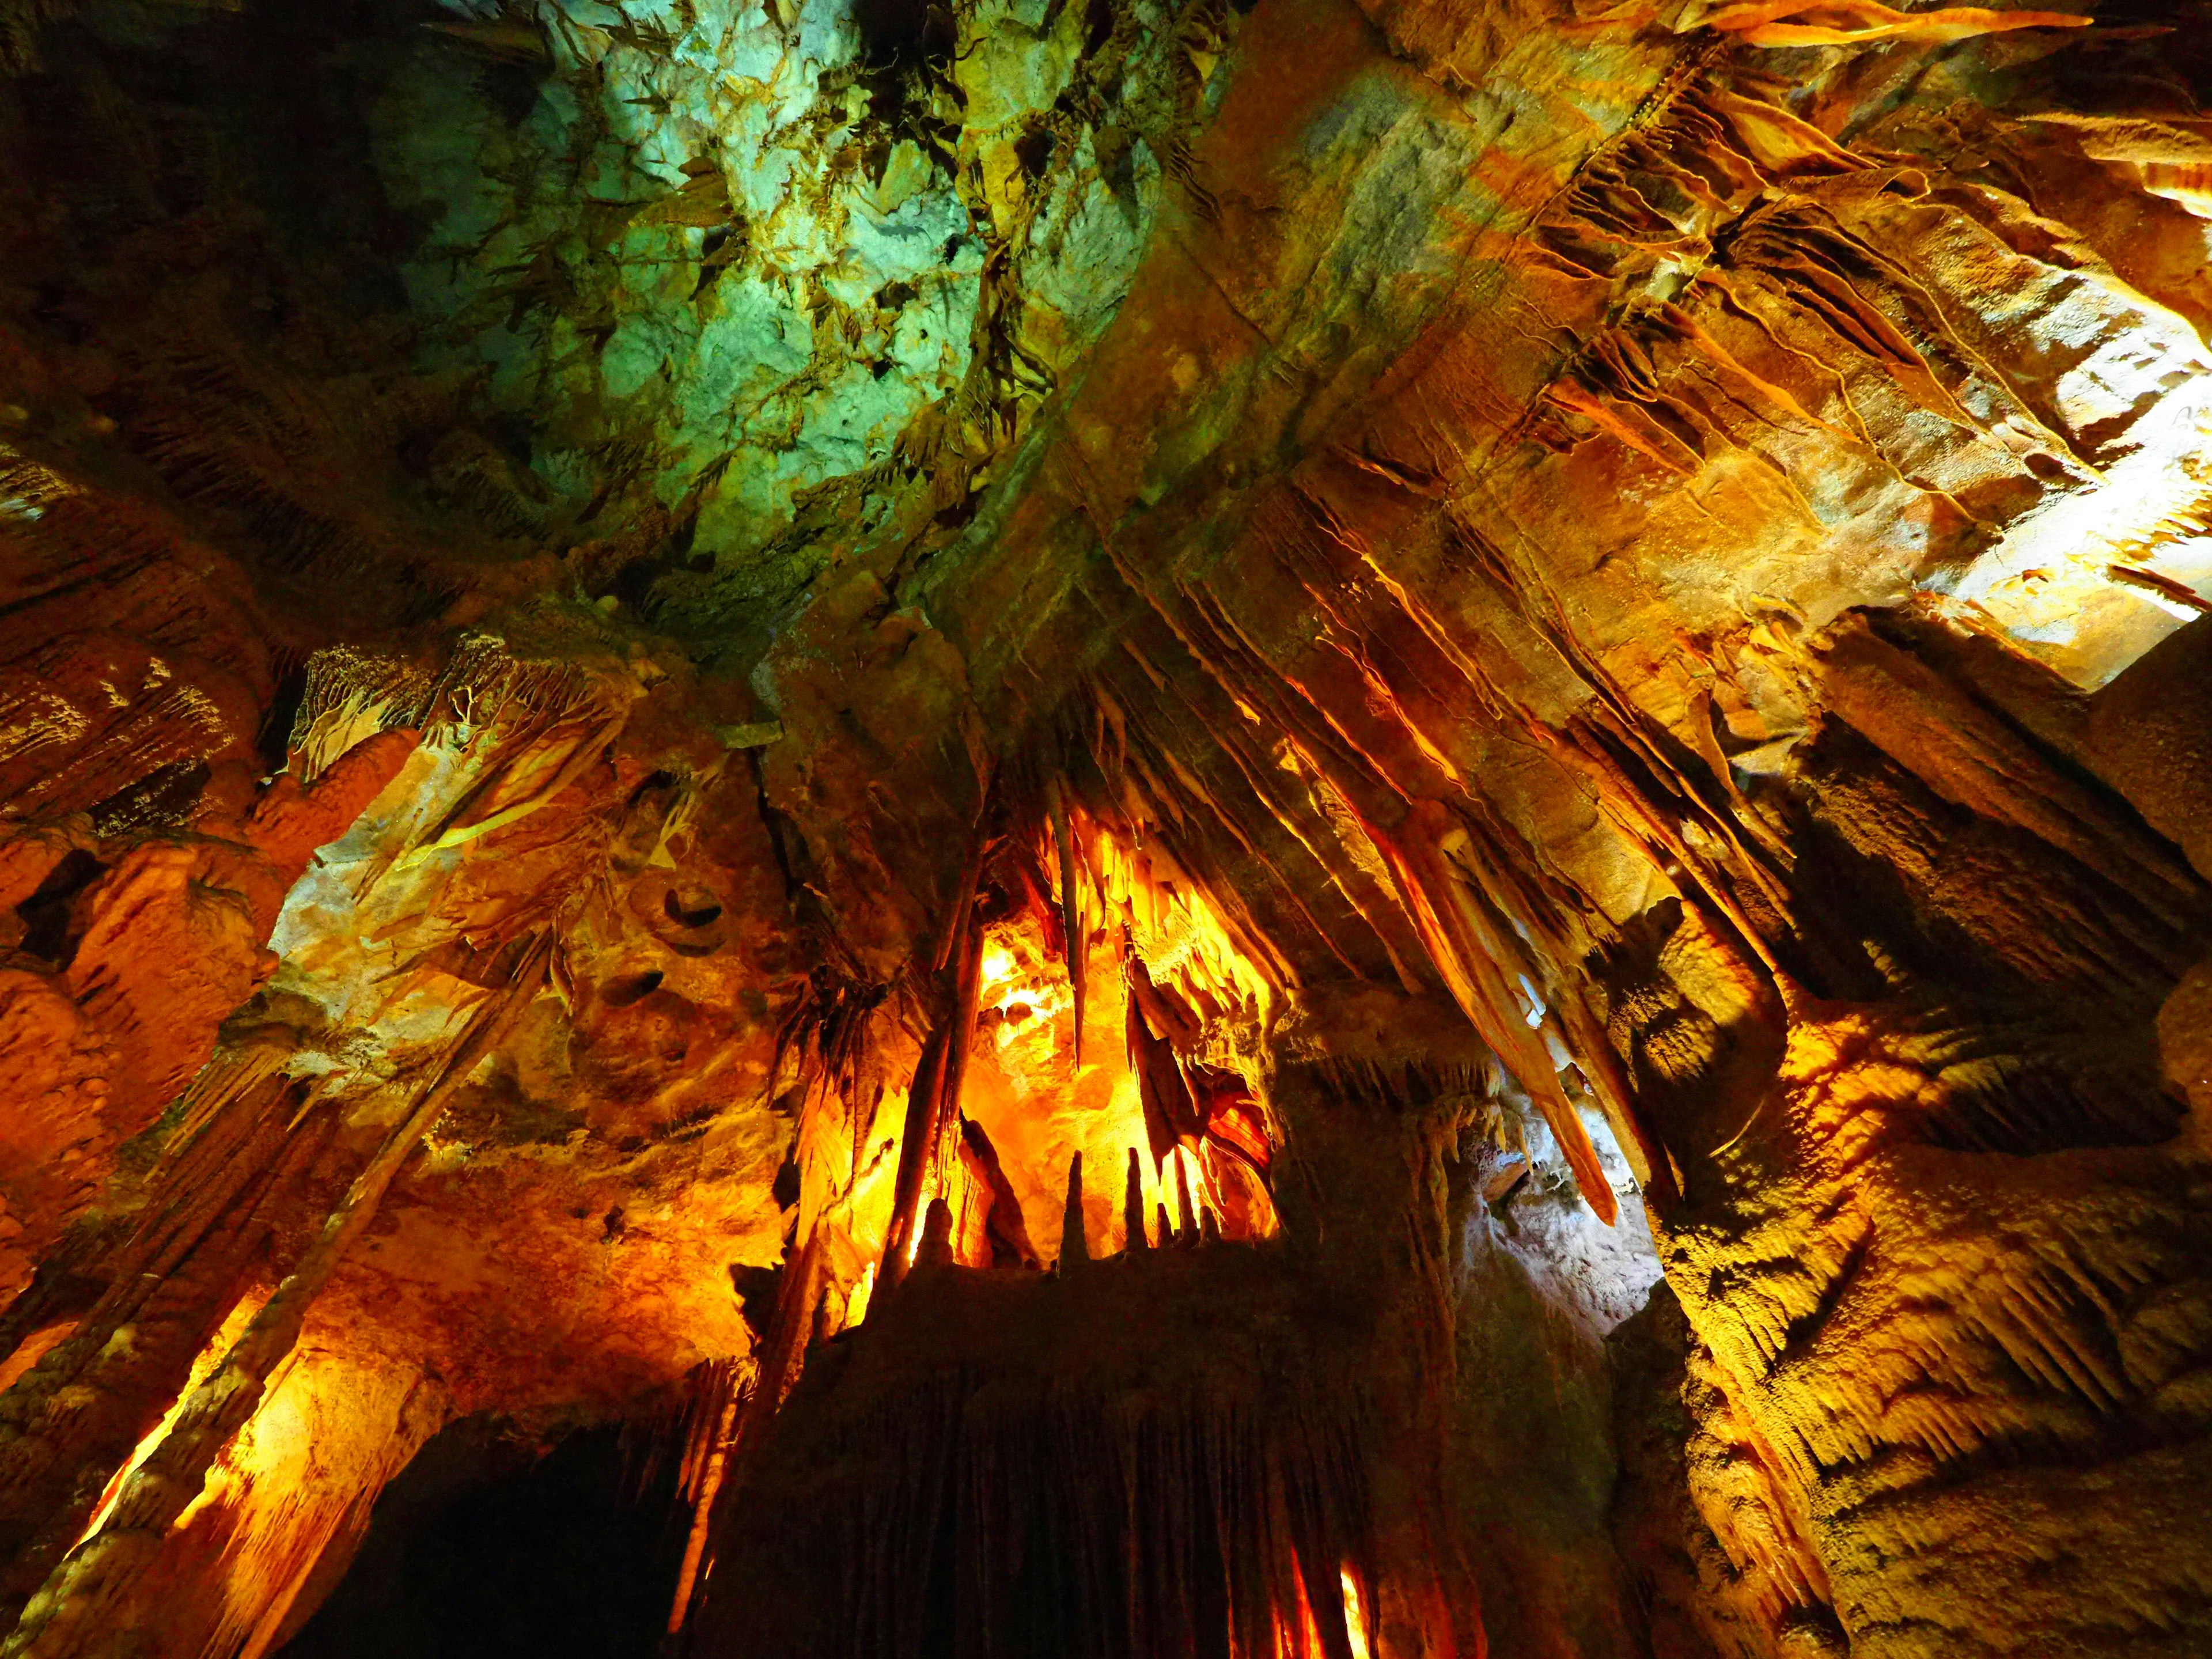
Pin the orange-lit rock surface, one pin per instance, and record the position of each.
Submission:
(1487, 931)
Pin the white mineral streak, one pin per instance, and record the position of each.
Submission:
(2136, 403)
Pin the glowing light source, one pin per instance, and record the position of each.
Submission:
(1297, 1631)
(998, 964)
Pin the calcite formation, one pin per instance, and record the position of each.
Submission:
(1360, 828)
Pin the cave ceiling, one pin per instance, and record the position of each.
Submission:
(1232, 828)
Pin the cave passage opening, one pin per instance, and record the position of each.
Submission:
(490, 1545)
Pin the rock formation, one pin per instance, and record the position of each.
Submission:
(1351, 828)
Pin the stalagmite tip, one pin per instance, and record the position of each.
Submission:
(936, 1236)
(1073, 1249)
(1132, 1204)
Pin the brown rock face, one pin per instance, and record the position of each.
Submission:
(1419, 864)
(2150, 727)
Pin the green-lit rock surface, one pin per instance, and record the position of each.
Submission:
(724, 263)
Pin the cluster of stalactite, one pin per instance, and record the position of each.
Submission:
(180, 1191)
(1063, 1465)
(147, 1347)
(173, 1311)
(1847, 918)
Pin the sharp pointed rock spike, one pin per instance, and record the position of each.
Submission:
(1186, 1233)
(1133, 1204)
(1071, 915)
(1074, 1249)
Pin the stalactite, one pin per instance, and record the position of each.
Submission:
(924, 1095)
(348, 695)
(1008, 1231)
(1768, 22)
(1452, 929)
(71, 1421)
(1085, 1512)
(777, 1367)
(966, 1010)
(296, 1483)
(1170, 1112)
(1071, 913)
(705, 1460)
(934, 1112)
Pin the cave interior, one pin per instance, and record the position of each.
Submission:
(1105, 829)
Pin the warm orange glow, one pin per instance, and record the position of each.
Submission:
(856, 1306)
(33, 1348)
(998, 966)
(1182, 938)
(303, 1474)
(1298, 1632)
(204, 1364)
(1039, 1109)
(1022, 991)
(1355, 1617)
(1026, 1091)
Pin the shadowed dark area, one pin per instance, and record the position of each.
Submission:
(481, 1550)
